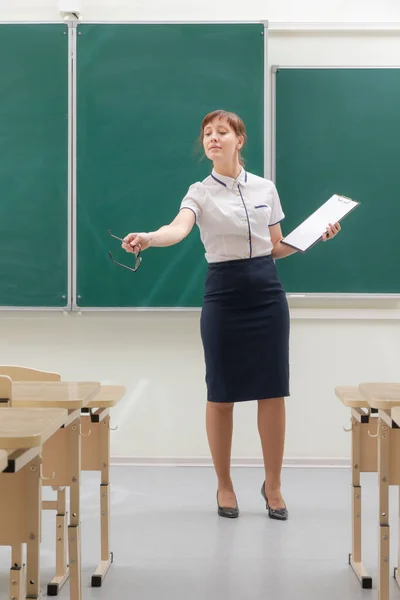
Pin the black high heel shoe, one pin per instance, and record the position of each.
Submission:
(280, 514)
(228, 512)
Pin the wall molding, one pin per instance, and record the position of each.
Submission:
(329, 26)
(171, 461)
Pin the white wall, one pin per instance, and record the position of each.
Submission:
(159, 356)
(273, 10)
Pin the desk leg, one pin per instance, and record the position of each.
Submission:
(397, 569)
(74, 541)
(355, 556)
(33, 544)
(384, 530)
(62, 571)
(106, 556)
(17, 572)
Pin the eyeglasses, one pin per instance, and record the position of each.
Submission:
(138, 258)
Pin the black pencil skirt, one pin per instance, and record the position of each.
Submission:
(245, 331)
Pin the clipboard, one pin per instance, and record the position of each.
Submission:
(310, 231)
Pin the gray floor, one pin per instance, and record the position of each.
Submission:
(169, 543)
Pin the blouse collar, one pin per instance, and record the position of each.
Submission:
(230, 182)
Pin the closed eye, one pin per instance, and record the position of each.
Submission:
(208, 133)
(262, 206)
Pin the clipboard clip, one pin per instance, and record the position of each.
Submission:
(345, 199)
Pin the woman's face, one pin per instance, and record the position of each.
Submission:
(221, 144)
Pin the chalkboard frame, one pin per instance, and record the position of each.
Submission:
(68, 68)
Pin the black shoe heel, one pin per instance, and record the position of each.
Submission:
(280, 514)
(229, 513)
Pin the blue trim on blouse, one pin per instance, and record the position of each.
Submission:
(248, 222)
(221, 182)
(272, 224)
(245, 207)
(188, 208)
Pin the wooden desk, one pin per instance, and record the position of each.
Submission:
(23, 433)
(95, 449)
(17, 429)
(29, 428)
(96, 457)
(53, 394)
(385, 398)
(364, 448)
(351, 396)
(95, 429)
(382, 396)
(62, 467)
(108, 396)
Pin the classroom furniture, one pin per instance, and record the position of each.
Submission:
(96, 426)
(376, 447)
(62, 456)
(364, 448)
(335, 131)
(34, 146)
(23, 432)
(95, 456)
(385, 398)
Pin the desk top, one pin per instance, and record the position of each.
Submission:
(29, 427)
(3, 460)
(108, 396)
(53, 394)
(383, 396)
(351, 396)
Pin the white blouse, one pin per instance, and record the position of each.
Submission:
(234, 215)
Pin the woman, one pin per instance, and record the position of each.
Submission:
(245, 317)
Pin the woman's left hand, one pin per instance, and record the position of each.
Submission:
(331, 231)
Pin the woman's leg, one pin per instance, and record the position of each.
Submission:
(271, 427)
(219, 423)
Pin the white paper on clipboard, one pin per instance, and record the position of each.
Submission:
(312, 229)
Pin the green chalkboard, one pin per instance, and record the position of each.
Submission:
(338, 131)
(34, 165)
(142, 93)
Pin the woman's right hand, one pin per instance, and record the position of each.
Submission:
(134, 242)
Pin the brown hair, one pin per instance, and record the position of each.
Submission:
(234, 121)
